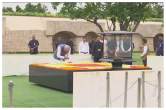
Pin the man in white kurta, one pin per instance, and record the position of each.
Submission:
(84, 47)
(145, 50)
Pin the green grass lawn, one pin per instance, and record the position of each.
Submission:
(27, 94)
(137, 59)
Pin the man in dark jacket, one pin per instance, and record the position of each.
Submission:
(33, 45)
(70, 43)
(97, 50)
(91, 46)
(160, 46)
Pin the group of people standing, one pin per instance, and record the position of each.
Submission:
(158, 49)
(95, 48)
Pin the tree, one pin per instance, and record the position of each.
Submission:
(90, 12)
(40, 8)
(30, 8)
(128, 15)
(157, 11)
(35, 8)
(18, 9)
(7, 9)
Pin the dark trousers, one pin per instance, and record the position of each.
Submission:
(160, 53)
(33, 50)
(96, 59)
(144, 62)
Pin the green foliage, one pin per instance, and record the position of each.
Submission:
(155, 19)
(35, 8)
(157, 11)
(7, 9)
(18, 9)
(128, 15)
(88, 11)
(55, 5)
(29, 14)
(29, 9)
(27, 94)
(80, 10)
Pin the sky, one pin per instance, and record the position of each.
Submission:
(22, 5)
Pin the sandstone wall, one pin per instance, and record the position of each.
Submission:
(18, 30)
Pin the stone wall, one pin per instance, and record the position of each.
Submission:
(18, 30)
(137, 40)
(150, 43)
(17, 41)
(78, 28)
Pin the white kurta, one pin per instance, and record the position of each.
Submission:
(84, 47)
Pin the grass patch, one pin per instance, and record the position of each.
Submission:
(137, 58)
(27, 94)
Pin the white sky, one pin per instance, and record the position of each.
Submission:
(22, 5)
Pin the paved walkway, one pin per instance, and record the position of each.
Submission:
(18, 64)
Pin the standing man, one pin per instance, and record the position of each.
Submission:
(63, 52)
(160, 46)
(91, 45)
(105, 46)
(70, 43)
(97, 50)
(33, 45)
(84, 46)
(145, 51)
